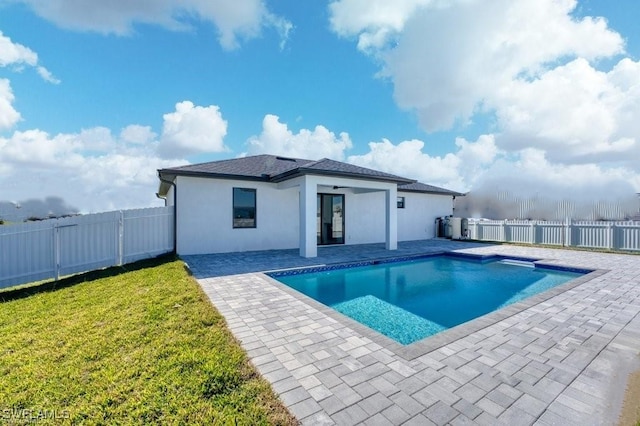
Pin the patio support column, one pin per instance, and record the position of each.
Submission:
(308, 217)
(391, 234)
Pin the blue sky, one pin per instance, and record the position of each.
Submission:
(535, 95)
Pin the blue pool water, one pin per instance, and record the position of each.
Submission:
(410, 300)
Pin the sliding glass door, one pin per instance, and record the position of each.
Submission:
(330, 219)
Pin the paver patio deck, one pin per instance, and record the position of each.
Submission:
(561, 358)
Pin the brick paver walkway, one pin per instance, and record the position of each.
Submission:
(561, 359)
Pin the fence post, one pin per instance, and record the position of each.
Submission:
(610, 235)
(120, 238)
(504, 231)
(532, 225)
(56, 250)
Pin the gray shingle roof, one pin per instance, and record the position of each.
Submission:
(338, 168)
(260, 167)
(424, 188)
(271, 168)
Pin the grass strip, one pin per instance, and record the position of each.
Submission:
(139, 344)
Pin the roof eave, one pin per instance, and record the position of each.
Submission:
(174, 173)
(445, 192)
(171, 174)
(165, 179)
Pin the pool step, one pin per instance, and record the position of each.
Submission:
(522, 263)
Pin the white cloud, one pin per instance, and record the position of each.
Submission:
(137, 134)
(239, 19)
(8, 114)
(92, 170)
(96, 170)
(450, 61)
(408, 159)
(282, 26)
(507, 28)
(531, 68)
(480, 165)
(17, 55)
(527, 61)
(532, 186)
(498, 180)
(457, 171)
(532, 173)
(192, 129)
(277, 139)
(373, 21)
(235, 20)
(575, 113)
(46, 75)
(13, 53)
(35, 148)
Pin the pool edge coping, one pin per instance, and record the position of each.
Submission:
(439, 340)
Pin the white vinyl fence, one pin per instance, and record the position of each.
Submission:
(568, 233)
(57, 247)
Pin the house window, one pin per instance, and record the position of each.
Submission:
(244, 208)
(401, 202)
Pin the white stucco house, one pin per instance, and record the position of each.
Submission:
(268, 202)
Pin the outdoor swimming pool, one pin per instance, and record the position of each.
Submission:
(413, 299)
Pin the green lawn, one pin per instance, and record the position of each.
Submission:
(141, 345)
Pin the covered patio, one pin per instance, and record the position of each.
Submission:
(311, 185)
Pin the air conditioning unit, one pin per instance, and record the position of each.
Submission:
(447, 227)
(455, 224)
(440, 227)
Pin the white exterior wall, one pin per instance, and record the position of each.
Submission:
(205, 217)
(417, 220)
(169, 199)
(205, 223)
(364, 218)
